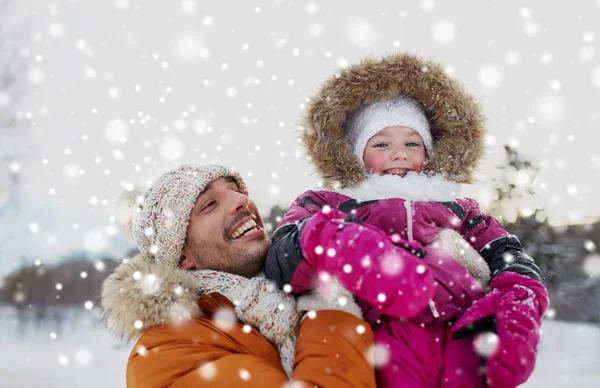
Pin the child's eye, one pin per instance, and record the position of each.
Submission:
(380, 145)
(411, 144)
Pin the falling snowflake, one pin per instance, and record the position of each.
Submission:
(531, 28)
(150, 284)
(36, 76)
(392, 264)
(486, 344)
(244, 374)
(171, 148)
(587, 53)
(190, 47)
(379, 355)
(116, 132)
(122, 4)
(490, 76)
(512, 57)
(316, 30)
(231, 92)
(95, 241)
(188, 6)
(208, 371)
(550, 109)
(274, 190)
(63, 360)
(225, 319)
(443, 32)
(361, 32)
(56, 30)
(589, 245)
(83, 357)
(591, 264)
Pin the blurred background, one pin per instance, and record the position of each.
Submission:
(97, 96)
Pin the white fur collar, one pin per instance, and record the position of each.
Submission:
(414, 186)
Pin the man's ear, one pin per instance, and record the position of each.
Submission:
(186, 262)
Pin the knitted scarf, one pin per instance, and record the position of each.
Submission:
(260, 304)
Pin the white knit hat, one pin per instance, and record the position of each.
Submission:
(157, 221)
(368, 119)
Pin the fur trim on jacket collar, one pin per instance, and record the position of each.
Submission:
(141, 293)
(415, 187)
(457, 124)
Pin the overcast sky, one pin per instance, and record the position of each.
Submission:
(120, 91)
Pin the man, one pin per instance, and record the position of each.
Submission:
(199, 234)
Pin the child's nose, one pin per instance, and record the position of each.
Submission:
(398, 153)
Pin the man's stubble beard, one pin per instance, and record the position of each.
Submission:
(233, 259)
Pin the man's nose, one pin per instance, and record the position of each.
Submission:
(239, 201)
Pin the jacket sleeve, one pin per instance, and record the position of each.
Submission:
(330, 353)
(199, 354)
(502, 251)
(333, 350)
(284, 254)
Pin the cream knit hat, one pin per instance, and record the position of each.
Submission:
(368, 119)
(157, 221)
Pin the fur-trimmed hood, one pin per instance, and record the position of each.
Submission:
(142, 293)
(457, 124)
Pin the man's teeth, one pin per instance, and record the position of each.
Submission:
(249, 226)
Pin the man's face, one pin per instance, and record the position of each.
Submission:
(225, 232)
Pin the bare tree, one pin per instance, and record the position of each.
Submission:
(13, 67)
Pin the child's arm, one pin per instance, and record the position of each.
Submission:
(515, 305)
(502, 251)
(285, 254)
(363, 258)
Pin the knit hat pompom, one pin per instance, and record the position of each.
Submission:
(126, 208)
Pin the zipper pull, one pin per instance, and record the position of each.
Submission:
(436, 314)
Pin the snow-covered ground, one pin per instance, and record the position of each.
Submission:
(569, 356)
(85, 355)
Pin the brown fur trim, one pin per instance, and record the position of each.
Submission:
(153, 293)
(457, 124)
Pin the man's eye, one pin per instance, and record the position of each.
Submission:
(209, 204)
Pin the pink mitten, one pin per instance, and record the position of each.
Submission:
(509, 320)
(387, 273)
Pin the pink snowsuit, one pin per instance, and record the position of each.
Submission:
(417, 346)
(434, 346)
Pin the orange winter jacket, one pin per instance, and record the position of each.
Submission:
(203, 352)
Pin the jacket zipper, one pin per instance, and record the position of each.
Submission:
(409, 229)
(408, 206)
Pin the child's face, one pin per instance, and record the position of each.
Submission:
(395, 150)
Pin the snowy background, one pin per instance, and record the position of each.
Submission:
(115, 92)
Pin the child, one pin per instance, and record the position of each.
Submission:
(393, 139)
